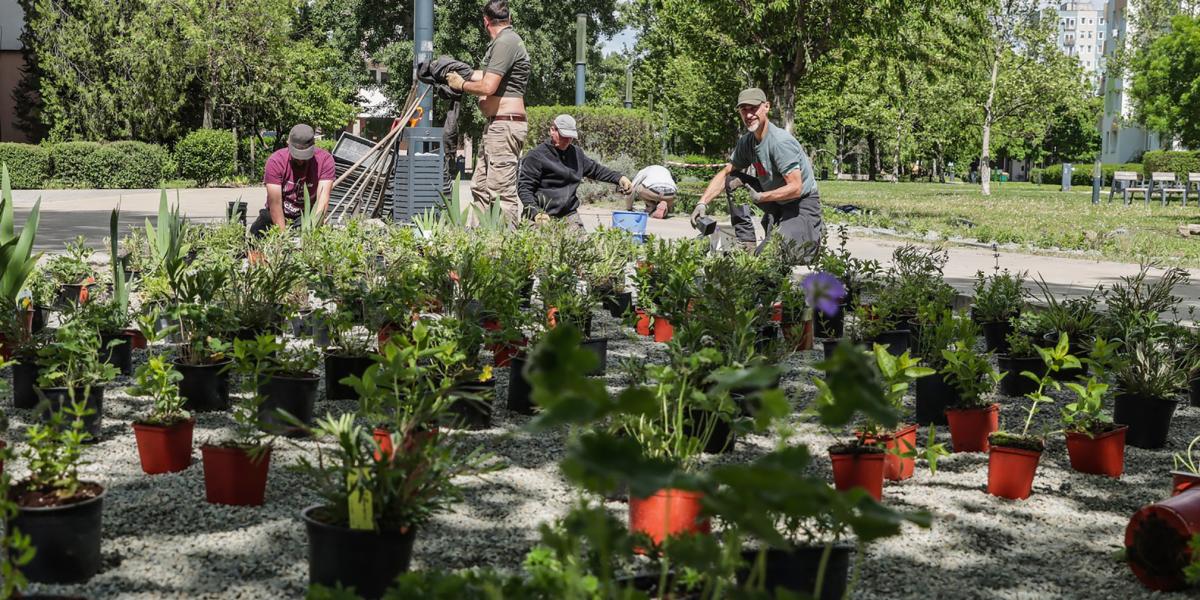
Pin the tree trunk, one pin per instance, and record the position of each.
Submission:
(896, 166)
(872, 157)
(985, 156)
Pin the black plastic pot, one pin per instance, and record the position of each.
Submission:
(599, 347)
(518, 387)
(830, 327)
(1194, 391)
(24, 377)
(41, 318)
(914, 333)
(796, 571)
(767, 335)
(1014, 384)
(933, 397)
(1149, 419)
(338, 367)
(829, 346)
(472, 413)
(896, 341)
(995, 336)
(68, 295)
(618, 303)
(366, 560)
(59, 397)
(119, 355)
(295, 395)
(205, 388)
(67, 539)
(236, 211)
(723, 438)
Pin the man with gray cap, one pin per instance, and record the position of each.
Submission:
(289, 171)
(782, 186)
(551, 174)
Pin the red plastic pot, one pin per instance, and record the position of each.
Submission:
(667, 513)
(164, 449)
(897, 468)
(663, 331)
(1182, 481)
(970, 427)
(1011, 471)
(502, 354)
(859, 470)
(643, 323)
(232, 477)
(1100, 455)
(1156, 541)
(385, 333)
(383, 437)
(137, 340)
(798, 336)
(777, 312)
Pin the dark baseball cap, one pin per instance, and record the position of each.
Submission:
(302, 142)
(751, 96)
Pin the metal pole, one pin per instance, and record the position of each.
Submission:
(580, 57)
(629, 85)
(423, 46)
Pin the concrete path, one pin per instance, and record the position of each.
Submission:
(66, 214)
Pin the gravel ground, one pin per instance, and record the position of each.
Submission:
(162, 540)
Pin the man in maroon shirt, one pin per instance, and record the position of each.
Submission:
(289, 171)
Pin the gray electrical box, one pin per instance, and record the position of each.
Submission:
(1066, 179)
(417, 178)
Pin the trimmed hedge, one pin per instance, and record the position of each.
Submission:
(603, 131)
(1082, 173)
(1178, 162)
(69, 162)
(28, 164)
(126, 165)
(207, 155)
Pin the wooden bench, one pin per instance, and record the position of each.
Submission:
(1127, 182)
(1166, 184)
(1193, 182)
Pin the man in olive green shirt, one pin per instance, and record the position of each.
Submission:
(782, 186)
(501, 87)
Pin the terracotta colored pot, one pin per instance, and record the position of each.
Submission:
(502, 354)
(859, 470)
(663, 330)
(1101, 455)
(777, 312)
(385, 333)
(666, 513)
(383, 437)
(137, 340)
(1011, 471)
(1182, 481)
(232, 477)
(798, 336)
(970, 427)
(897, 468)
(643, 323)
(1156, 541)
(164, 449)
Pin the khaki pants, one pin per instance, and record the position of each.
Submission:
(496, 169)
(651, 198)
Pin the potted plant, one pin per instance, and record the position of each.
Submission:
(606, 277)
(973, 415)
(1078, 318)
(854, 273)
(235, 469)
(70, 370)
(289, 384)
(1186, 474)
(998, 300)
(900, 442)
(26, 370)
(256, 293)
(201, 357)
(347, 353)
(15, 548)
(1021, 355)
(17, 262)
(1162, 543)
(1148, 381)
(361, 534)
(72, 273)
(934, 394)
(60, 514)
(667, 282)
(111, 314)
(164, 435)
(1013, 458)
(569, 301)
(795, 317)
(1095, 444)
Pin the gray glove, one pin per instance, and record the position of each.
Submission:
(700, 211)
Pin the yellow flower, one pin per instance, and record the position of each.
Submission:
(486, 374)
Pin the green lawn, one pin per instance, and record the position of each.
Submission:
(1040, 218)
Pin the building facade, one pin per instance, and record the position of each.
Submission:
(1081, 34)
(12, 22)
(1125, 140)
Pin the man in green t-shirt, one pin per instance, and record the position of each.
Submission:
(782, 184)
(501, 88)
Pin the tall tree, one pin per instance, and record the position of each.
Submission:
(1166, 82)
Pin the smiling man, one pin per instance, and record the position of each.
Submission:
(782, 184)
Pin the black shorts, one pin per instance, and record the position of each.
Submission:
(263, 223)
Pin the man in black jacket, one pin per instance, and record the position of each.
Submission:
(551, 173)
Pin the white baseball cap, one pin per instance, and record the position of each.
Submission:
(566, 126)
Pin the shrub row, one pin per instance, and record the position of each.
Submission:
(603, 131)
(1181, 163)
(1081, 175)
(28, 165)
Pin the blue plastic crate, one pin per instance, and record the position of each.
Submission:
(633, 222)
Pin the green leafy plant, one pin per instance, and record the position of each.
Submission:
(253, 361)
(998, 298)
(1076, 317)
(1086, 413)
(1055, 359)
(73, 360)
(159, 380)
(939, 332)
(1147, 371)
(971, 374)
(16, 251)
(1187, 461)
(54, 452)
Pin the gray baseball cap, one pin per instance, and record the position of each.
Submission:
(566, 126)
(751, 96)
(302, 142)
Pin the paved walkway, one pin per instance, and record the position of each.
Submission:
(68, 213)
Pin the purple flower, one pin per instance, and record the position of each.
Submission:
(823, 292)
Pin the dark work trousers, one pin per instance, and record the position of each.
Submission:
(797, 220)
(263, 223)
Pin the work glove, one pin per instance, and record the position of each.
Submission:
(755, 195)
(699, 212)
(541, 218)
(625, 185)
(455, 81)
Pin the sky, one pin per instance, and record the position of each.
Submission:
(618, 42)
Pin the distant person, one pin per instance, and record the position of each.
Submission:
(501, 88)
(552, 171)
(654, 186)
(289, 171)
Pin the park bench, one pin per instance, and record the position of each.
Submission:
(1128, 182)
(1166, 184)
(1193, 182)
